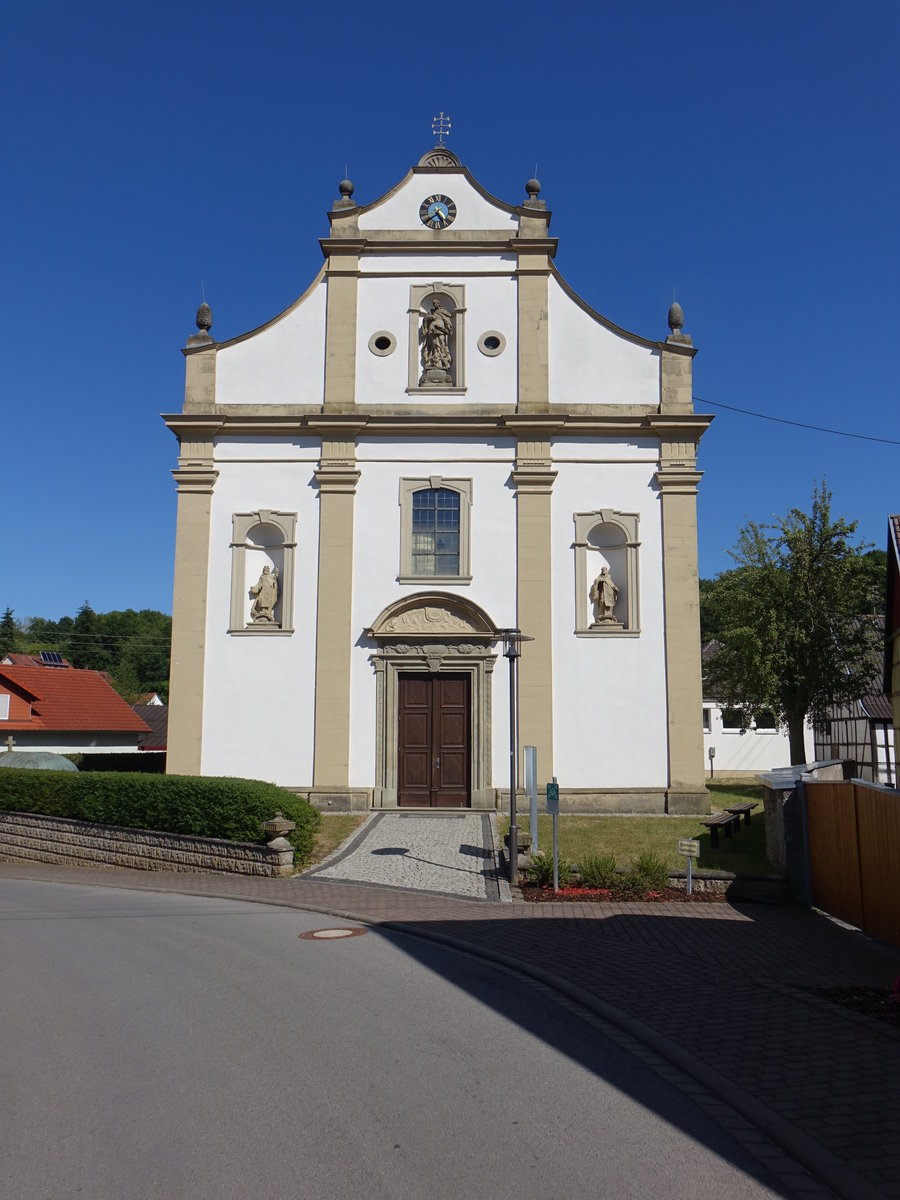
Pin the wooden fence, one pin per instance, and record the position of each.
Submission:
(854, 854)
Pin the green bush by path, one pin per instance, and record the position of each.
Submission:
(598, 871)
(540, 870)
(190, 804)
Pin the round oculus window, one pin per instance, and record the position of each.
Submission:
(492, 343)
(382, 343)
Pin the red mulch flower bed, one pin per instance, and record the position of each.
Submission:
(570, 895)
(879, 1003)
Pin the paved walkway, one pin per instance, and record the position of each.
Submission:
(454, 854)
(720, 996)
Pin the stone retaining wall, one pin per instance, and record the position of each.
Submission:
(25, 837)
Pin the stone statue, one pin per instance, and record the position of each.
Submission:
(262, 611)
(604, 595)
(437, 327)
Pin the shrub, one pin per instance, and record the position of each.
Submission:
(540, 870)
(599, 871)
(191, 804)
(649, 873)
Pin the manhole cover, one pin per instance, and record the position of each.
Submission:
(328, 935)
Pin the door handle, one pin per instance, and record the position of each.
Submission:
(437, 762)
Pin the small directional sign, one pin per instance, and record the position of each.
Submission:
(688, 848)
(552, 797)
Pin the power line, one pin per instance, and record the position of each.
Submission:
(863, 437)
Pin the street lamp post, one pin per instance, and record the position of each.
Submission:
(511, 651)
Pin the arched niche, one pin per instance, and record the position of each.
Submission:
(453, 298)
(607, 537)
(433, 633)
(265, 538)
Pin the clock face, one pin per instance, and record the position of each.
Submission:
(437, 212)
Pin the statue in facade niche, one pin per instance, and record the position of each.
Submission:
(604, 595)
(265, 591)
(437, 328)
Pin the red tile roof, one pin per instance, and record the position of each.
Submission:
(33, 660)
(68, 700)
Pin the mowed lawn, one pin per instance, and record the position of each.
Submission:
(628, 836)
(334, 828)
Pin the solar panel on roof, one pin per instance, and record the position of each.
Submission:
(52, 658)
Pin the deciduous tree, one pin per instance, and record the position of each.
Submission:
(791, 620)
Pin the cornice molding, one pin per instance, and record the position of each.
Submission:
(409, 422)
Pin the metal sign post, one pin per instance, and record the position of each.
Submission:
(531, 789)
(553, 809)
(690, 848)
(712, 755)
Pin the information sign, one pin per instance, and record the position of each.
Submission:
(552, 797)
(688, 847)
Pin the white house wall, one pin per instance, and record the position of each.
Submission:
(259, 692)
(609, 693)
(283, 363)
(376, 541)
(590, 364)
(751, 750)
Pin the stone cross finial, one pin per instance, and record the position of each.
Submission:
(9, 744)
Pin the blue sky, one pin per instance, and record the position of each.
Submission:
(744, 153)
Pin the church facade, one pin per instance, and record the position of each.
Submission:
(437, 444)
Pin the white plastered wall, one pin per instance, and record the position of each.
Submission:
(376, 551)
(589, 364)
(259, 690)
(401, 210)
(751, 749)
(383, 305)
(282, 363)
(609, 693)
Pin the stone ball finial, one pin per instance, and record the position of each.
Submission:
(533, 188)
(345, 187)
(204, 317)
(676, 317)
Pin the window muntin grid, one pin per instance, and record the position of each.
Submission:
(435, 532)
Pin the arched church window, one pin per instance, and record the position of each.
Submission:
(262, 572)
(435, 529)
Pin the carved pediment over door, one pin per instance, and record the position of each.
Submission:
(434, 614)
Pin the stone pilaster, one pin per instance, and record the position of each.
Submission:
(195, 478)
(676, 389)
(533, 478)
(342, 276)
(678, 479)
(337, 477)
(200, 374)
(535, 250)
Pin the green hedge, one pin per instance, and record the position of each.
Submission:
(192, 804)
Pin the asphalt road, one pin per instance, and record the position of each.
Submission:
(167, 1046)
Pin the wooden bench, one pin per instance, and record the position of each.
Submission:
(724, 820)
(742, 810)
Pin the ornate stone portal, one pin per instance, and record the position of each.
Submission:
(432, 633)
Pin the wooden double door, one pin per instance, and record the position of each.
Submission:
(433, 757)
